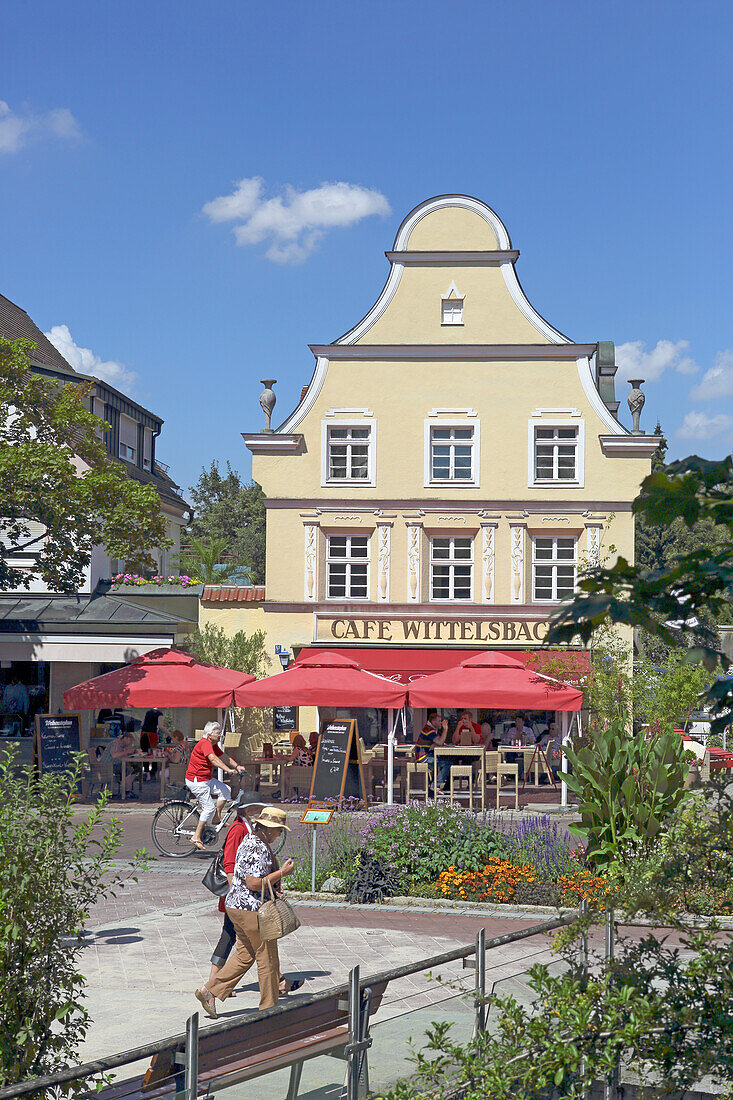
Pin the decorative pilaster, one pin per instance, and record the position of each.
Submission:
(593, 544)
(384, 558)
(488, 537)
(516, 563)
(414, 535)
(310, 579)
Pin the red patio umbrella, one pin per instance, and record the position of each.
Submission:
(323, 680)
(494, 681)
(161, 678)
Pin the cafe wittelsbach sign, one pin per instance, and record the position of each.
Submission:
(490, 632)
(453, 464)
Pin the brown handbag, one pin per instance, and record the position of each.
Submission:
(275, 917)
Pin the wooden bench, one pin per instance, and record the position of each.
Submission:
(256, 1047)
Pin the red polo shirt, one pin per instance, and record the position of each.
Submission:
(198, 766)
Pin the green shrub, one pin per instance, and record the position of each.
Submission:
(419, 841)
(55, 866)
(372, 881)
(630, 786)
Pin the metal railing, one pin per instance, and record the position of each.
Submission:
(356, 994)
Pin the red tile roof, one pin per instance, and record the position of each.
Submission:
(234, 593)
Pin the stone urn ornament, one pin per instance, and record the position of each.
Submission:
(267, 401)
(636, 400)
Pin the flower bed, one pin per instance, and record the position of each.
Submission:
(497, 881)
(135, 580)
(429, 851)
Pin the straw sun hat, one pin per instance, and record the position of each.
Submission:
(272, 817)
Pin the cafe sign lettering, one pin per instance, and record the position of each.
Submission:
(498, 632)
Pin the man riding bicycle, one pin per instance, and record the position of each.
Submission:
(200, 781)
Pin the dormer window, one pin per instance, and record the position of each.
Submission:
(452, 307)
(128, 439)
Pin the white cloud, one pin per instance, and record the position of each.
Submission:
(85, 361)
(634, 361)
(17, 127)
(698, 425)
(716, 382)
(294, 223)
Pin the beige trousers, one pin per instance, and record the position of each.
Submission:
(249, 949)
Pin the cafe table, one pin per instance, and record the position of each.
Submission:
(142, 758)
(476, 751)
(528, 751)
(260, 762)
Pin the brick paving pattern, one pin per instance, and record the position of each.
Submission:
(150, 948)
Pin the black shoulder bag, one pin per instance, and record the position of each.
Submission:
(215, 878)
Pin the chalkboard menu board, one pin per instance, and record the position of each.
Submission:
(337, 772)
(57, 738)
(284, 719)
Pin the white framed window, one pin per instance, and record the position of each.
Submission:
(451, 568)
(128, 439)
(348, 452)
(556, 453)
(452, 449)
(451, 312)
(347, 567)
(554, 567)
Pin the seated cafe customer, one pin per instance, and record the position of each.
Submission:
(434, 733)
(177, 752)
(302, 755)
(123, 747)
(467, 732)
(518, 734)
(521, 733)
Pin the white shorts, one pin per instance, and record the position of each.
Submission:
(205, 791)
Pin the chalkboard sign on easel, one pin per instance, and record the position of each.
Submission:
(57, 739)
(337, 771)
(285, 719)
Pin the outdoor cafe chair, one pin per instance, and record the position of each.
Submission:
(296, 781)
(512, 771)
(414, 769)
(459, 773)
(101, 773)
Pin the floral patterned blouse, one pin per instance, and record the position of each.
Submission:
(254, 858)
(176, 753)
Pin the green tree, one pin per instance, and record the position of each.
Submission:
(657, 546)
(202, 561)
(55, 868)
(240, 651)
(227, 508)
(668, 692)
(60, 493)
(678, 601)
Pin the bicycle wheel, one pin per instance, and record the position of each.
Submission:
(166, 826)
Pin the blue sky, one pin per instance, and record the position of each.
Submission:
(601, 135)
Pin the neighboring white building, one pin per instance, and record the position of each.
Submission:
(50, 641)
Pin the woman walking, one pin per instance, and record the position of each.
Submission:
(249, 805)
(254, 872)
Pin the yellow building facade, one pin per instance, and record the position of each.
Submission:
(453, 463)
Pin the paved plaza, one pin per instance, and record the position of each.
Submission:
(149, 948)
(151, 945)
